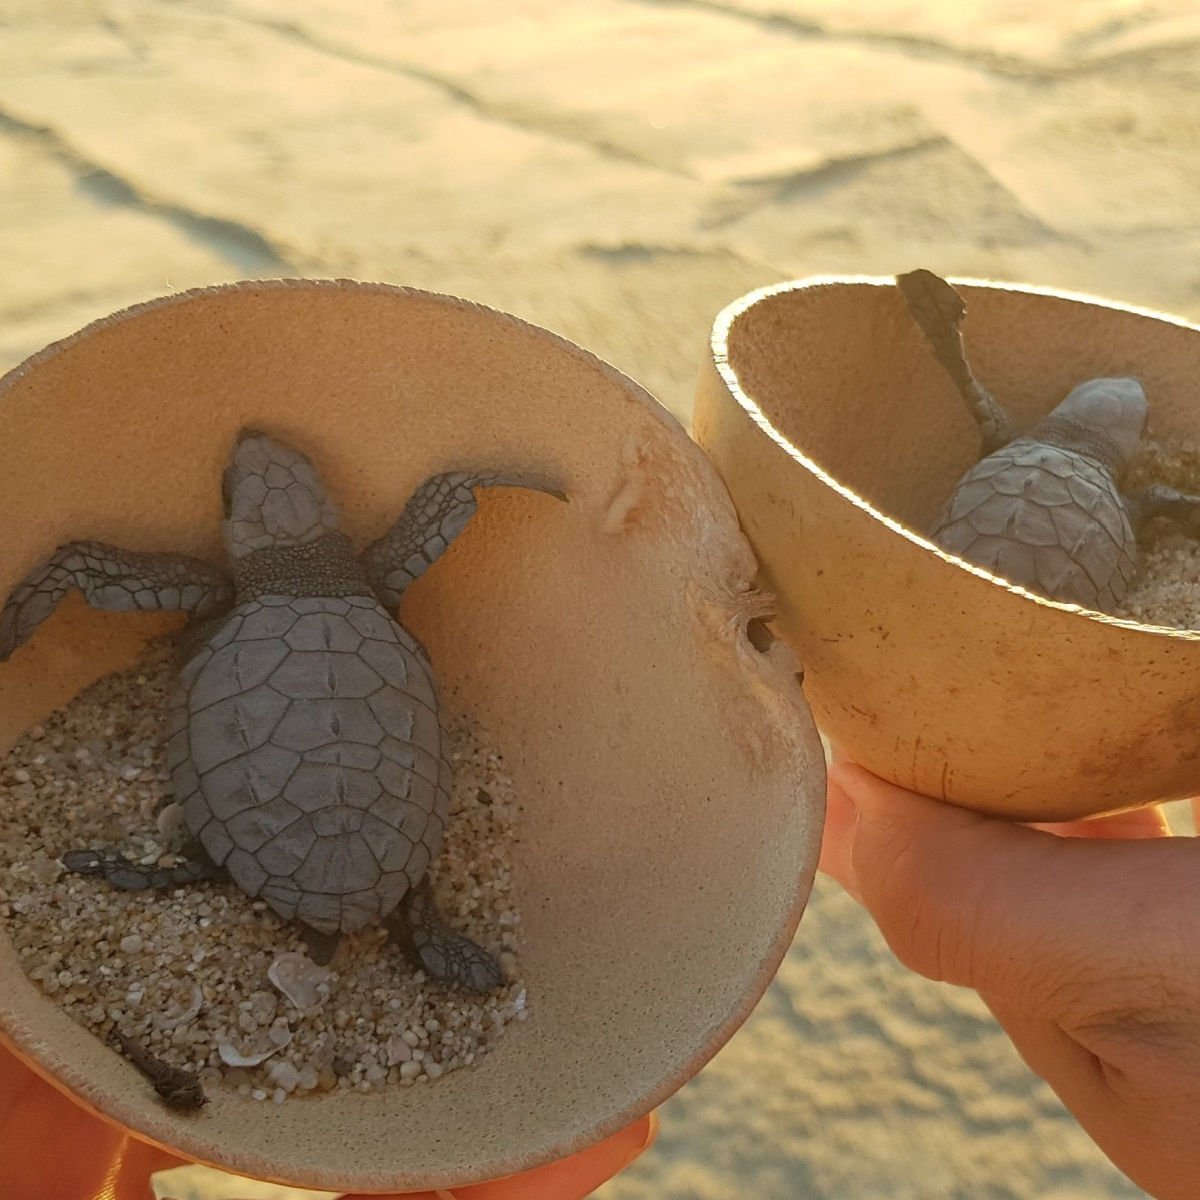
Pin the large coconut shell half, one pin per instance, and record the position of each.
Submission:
(671, 777)
(839, 436)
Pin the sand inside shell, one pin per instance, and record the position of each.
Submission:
(185, 972)
(1166, 586)
(1166, 589)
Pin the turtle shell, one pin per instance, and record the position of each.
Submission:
(1047, 518)
(306, 750)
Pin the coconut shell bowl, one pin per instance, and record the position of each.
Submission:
(839, 436)
(669, 772)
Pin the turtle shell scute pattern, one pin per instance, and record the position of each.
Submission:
(1046, 518)
(305, 748)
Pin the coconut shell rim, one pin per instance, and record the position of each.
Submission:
(66, 1082)
(723, 363)
(25, 1043)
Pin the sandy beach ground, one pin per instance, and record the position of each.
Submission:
(618, 170)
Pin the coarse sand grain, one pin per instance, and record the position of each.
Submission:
(187, 973)
(1166, 588)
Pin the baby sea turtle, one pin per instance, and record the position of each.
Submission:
(305, 744)
(1044, 509)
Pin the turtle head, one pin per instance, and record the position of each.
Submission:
(1110, 413)
(272, 497)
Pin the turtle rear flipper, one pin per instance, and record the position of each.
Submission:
(126, 875)
(179, 1089)
(443, 954)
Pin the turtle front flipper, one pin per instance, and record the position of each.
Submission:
(938, 310)
(1159, 500)
(126, 875)
(445, 955)
(113, 579)
(436, 514)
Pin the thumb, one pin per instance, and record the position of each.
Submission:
(1010, 911)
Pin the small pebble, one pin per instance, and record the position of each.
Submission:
(284, 1075)
(398, 1051)
(131, 944)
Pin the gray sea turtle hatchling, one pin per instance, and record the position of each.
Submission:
(305, 743)
(1044, 509)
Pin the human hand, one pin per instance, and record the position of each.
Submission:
(57, 1149)
(1085, 946)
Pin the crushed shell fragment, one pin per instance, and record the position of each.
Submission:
(231, 1056)
(189, 1014)
(299, 978)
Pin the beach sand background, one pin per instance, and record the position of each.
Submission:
(618, 170)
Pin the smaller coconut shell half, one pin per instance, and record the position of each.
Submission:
(671, 778)
(838, 435)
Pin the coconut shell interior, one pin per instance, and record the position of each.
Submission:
(839, 435)
(671, 776)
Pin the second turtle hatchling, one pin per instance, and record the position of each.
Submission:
(305, 741)
(1044, 509)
